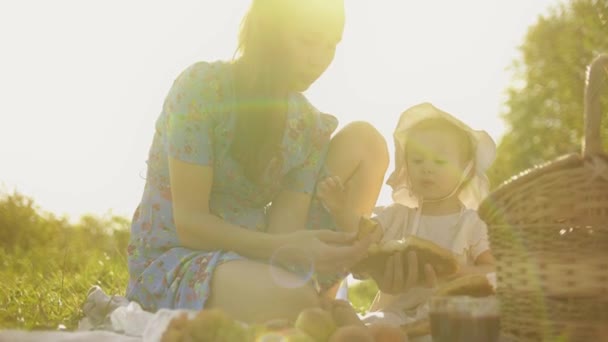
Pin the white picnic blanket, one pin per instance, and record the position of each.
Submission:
(107, 318)
(64, 336)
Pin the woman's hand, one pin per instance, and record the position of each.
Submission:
(325, 251)
(392, 279)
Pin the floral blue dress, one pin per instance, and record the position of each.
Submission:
(196, 126)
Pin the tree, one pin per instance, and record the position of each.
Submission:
(544, 109)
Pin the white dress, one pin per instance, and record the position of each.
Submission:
(464, 233)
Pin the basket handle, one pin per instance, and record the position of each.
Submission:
(597, 76)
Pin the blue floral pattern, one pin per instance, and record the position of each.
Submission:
(197, 126)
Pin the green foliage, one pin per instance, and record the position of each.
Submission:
(545, 106)
(362, 294)
(48, 264)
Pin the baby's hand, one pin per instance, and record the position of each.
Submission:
(332, 194)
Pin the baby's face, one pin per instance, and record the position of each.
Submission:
(435, 162)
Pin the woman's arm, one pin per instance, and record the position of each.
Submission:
(289, 212)
(189, 144)
(197, 228)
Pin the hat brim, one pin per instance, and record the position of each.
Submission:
(485, 149)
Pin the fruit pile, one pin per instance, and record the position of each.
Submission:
(336, 322)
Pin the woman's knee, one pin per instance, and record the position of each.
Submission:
(264, 284)
(364, 141)
(288, 301)
(291, 288)
(302, 297)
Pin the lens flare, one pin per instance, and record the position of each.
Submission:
(296, 276)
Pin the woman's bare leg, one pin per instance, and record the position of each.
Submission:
(359, 156)
(249, 291)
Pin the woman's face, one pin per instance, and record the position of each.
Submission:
(308, 44)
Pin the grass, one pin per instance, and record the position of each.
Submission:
(48, 265)
(42, 290)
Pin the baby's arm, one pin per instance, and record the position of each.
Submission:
(484, 264)
(479, 248)
(485, 259)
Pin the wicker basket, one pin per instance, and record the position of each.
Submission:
(548, 229)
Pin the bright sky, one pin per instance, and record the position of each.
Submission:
(82, 82)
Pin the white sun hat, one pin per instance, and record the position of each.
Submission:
(475, 190)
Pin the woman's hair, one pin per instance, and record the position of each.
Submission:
(260, 40)
(260, 119)
(262, 88)
(259, 26)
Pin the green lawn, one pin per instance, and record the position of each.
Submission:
(48, 265)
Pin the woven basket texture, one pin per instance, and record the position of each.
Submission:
(548, 229)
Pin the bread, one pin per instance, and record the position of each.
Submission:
(443, 260)
(367, 226)
(475, 285)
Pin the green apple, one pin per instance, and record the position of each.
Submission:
(317, 323)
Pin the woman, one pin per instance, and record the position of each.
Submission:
(229, 208)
